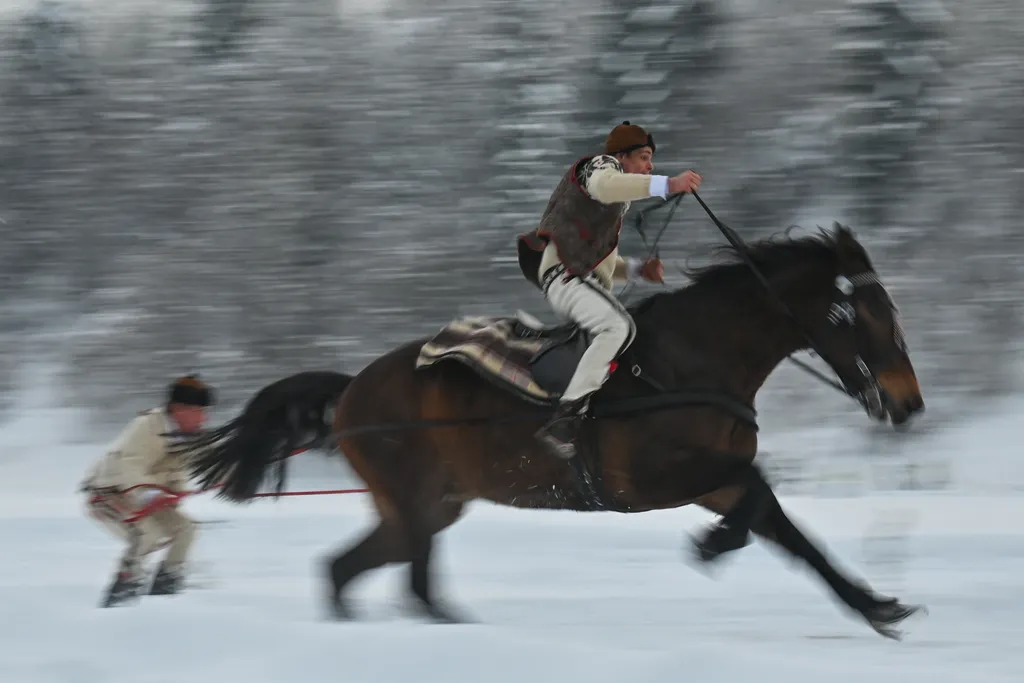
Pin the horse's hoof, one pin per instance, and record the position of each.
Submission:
(439, 614)
(703, 551)
(887, 614)
(339, 610)
(700, 558)
(445, 617)
(717, 541)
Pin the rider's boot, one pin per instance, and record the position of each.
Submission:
(125, 588)
(560, 433)
(168, 581)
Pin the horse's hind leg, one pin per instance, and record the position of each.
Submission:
(385, 544)
(406, 538)
(422, 528)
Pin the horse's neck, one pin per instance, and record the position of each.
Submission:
(766, 334)
(739, 338)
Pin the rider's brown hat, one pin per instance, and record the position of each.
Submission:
(626, 138)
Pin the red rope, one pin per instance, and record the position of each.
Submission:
(329, 492)
(171, 497)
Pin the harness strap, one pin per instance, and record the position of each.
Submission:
(602, 409)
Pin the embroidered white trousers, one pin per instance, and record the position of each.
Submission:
(587, 303)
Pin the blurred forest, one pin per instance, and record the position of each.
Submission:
(252, 188)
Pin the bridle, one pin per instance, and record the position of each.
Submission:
(860, 386)
(843, 312)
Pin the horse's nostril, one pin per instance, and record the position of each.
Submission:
(916, 404)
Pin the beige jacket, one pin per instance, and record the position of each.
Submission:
(605, 181)
(139, 456)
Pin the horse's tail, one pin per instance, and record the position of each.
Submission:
(292, 414)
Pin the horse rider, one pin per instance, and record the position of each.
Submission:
(573, 257)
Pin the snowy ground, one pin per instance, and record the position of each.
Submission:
(558, 596)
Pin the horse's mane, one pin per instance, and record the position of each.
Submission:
(771, 255)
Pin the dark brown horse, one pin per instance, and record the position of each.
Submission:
(674, 426)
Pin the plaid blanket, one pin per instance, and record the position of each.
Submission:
(490, 347)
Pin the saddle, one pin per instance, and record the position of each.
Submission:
(553, 364)
(534, 360)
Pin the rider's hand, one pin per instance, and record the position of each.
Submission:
(687, 181)
(652, 270)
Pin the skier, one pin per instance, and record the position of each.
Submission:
(134, 491)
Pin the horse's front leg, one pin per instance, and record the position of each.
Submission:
(722, 481)
(761, 508)
(741, 506)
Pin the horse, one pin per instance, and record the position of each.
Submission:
(440, 421)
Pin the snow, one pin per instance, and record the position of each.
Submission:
(556, 596)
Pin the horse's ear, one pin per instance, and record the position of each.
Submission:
(843, 235)
(847, 246)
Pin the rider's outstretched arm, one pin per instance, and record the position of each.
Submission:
(606, 182)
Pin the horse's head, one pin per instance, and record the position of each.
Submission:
(776, 296)
(861, 338)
